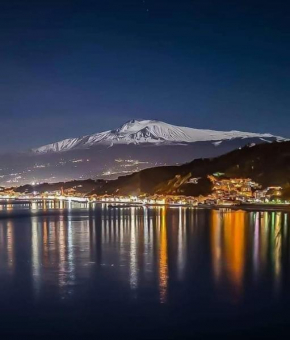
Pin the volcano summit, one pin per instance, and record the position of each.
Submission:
(149, 131)
(135, 145)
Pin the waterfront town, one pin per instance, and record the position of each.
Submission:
(225, 192)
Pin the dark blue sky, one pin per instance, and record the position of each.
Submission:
(69, 68)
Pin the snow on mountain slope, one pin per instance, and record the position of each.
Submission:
(149, 131)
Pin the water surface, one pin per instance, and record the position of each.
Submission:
(86, 271)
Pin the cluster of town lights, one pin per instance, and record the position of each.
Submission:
(225, 192)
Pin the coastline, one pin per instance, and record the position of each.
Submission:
(118, 205)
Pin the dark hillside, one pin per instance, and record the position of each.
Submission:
(267, 164)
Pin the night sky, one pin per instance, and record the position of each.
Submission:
(70, 68)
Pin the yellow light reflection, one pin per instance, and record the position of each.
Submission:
(234, 231)
(216, 243)
(277, 249)
(163, 258)
(228, 246)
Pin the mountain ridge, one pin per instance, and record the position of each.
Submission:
(135, 145)
(148, 132)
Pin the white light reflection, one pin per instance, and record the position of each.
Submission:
(148, 249)
(133, 252)
(10, 245)
(36, 262)
(181, 244)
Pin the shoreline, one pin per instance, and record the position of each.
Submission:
(250, 207)
(116, 205)
(246, 207)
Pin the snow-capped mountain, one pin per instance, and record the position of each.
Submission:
(136, 145)
(149, 131)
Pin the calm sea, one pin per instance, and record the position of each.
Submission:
(80, 271)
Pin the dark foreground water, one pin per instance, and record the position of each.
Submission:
(175, 273)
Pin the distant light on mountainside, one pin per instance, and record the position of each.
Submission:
(136, 145)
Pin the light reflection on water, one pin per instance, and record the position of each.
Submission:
(160, 255)
(228, 246)
(136, 240)
(243, 241)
